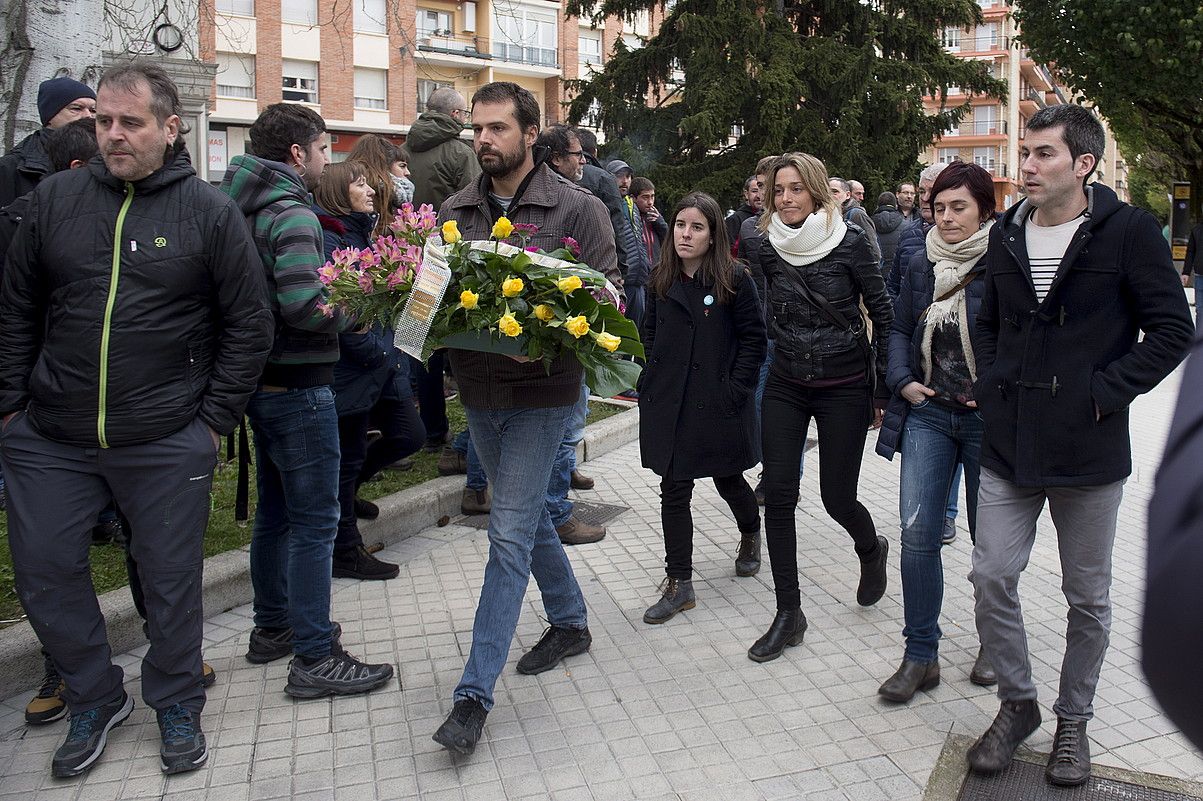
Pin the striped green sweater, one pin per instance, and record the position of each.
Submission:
(289, 240)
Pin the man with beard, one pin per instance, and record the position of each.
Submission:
(906, 200)
(753, 202)
(292, 413)
(517, 410)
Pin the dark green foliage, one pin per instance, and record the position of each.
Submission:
(1142, 65)
(835, 78)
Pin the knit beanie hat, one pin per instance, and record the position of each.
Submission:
(56, 93)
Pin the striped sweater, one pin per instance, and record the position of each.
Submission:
(289, 240)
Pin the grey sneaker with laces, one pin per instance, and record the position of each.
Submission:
(88, 735)
(183, 743)
(337, 674)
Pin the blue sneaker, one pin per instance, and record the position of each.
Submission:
(183, 746)
(87, 737)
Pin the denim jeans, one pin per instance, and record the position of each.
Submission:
(517, 448)
(936, 440)
(954, 493)
(296, 442)
(476, 474)
(558, 505)
(764, 375)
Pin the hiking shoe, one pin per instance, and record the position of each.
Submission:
(88, 735)
(183, 747)
(108, 532)
(208, 675)
(48, 705)
(555, 644)
(452, 462)
(366, 510)
(476, 502)
(676, 595)
(578, 532)
(268, 645)
(357, 563)
(461, 730)
(337, 674)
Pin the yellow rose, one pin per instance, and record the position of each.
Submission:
(502, 228)
(509, 326)
(569, 285)
(608, 341)
(544, 312)
(511, 287)
(468, 298)
(577, 326)
(451, 235)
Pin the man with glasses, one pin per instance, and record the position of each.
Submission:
(60, 101)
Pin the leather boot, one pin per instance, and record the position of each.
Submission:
(911, 677)
(577, 532)
(475, 502)
(983, 672)
(873, 575)
(747, 560)
(676, 595)
(787, 629)
(994, 750)
(1069, 763)
(580, 481)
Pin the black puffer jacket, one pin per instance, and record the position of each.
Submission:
(808, 346)
(23, 167)
(119, 347)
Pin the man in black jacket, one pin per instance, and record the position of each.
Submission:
(134, 334)
(1073, 277)
(60, 101)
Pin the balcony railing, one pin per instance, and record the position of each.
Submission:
(449, 43)
(977, 44)
(538, 56)
(979, 128)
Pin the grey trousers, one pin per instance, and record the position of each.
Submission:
(55, 492)
(1006, 530)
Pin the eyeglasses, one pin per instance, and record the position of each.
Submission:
(576, 154)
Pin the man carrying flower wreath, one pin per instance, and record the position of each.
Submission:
(517, 409)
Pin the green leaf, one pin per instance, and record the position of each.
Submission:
(607, 376)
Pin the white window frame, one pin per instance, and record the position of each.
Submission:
(372, 97)
(951, 39)
(298, 83)
(370, 16)
(299, 12)
(947, 155)
(230, 65)
(591, 55)
(526, 34)
(444, 22)
(426, 88)
(238, 8)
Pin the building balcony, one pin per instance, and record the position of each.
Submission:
(444, 47)
(1037, 75)
(534, 56)
(1056, 97)
(973, 45)
(978, 128)
(1031, 102)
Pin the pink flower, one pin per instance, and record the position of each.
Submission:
(531, 249)
(329, 273)
(526, 229)
(573, 246)
(326, 309)
(397, 277)
(365, 283)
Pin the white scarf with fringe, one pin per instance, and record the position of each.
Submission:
(815, 238)
(953, 263)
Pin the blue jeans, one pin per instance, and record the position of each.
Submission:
(935, 439)
(764, 376)
(476, 474)
(517, 448)
(954, 493)
(558, 505)
(296, 442)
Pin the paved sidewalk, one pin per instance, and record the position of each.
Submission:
(675, 711)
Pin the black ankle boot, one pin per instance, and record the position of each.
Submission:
(873, 575)
(788, 628)
(747, 560)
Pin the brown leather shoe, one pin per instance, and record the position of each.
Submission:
(452, 462)
(581, 482)
(476, 502)
(576, 532)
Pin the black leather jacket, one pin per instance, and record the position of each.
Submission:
(809, 346)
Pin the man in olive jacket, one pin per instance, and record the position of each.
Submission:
(440, 163)
(1073, 278)
(134, 331)
(517, 410)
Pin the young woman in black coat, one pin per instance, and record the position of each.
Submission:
(820, 271)
(705, 340)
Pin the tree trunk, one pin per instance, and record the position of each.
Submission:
(15, 56)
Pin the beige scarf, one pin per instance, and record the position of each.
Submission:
(953, 263)
(815, 238)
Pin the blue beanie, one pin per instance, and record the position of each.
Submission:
(55, 94)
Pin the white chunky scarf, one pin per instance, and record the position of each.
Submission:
(815, 238)
(953, 263)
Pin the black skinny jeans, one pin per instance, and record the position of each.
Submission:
(677, 518)
(428, 379)
(402, 434)
(843, 415)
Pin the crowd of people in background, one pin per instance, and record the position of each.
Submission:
(1001, 351)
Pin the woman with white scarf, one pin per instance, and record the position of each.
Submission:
(932, 419)
(820, 273)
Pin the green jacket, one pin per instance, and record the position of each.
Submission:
(440, 163)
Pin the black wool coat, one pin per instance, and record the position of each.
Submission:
(1055, 378)
(697, 407)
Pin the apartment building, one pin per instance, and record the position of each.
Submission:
(368, 66)
(990, 134)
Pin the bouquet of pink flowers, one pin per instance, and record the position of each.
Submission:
(372, 284)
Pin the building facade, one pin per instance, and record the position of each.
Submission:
(992, 131)
(368, 66)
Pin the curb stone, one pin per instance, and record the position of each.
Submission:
(227, 579)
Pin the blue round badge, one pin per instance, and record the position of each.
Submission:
(708, 300)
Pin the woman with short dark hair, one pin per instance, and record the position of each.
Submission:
(932, 419)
